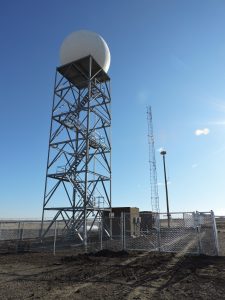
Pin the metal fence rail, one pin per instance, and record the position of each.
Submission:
(187, 232)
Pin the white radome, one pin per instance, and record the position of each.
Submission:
(83, 43)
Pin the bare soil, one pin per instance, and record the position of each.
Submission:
(111, 275)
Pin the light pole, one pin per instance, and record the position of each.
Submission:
(163, 153)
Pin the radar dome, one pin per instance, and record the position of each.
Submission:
(83, 43)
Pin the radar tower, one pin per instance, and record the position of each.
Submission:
(78, 174)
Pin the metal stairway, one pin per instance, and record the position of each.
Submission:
(95, 94)
(74, 226)
(78, 158)
(71, 121)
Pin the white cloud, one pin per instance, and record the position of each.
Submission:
(204, 131)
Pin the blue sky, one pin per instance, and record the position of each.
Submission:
(167, 54)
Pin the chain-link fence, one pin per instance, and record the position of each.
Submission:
(220, 224)
(24, 235)
(193, 232)
(27, 229)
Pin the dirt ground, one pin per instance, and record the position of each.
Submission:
(111, 275)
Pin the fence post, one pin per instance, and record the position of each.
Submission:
(101, 233)
(199, 240)
(21, 234)
(121, 228)
(18, 238)
(110, 225)
(55, 235)
(157, 222)
(215, 235)
(122, 220)
(198, 232)
(18, 231)
(124, 231)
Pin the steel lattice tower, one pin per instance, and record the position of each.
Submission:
(152, 165)
(78, 175)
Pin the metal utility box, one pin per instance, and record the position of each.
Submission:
(146, 220)
(127, 215)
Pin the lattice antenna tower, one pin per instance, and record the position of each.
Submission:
(78, 174)
(152, 164)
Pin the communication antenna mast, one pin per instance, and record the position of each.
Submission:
(152, 165)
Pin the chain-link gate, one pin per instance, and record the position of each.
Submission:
(187, 232)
